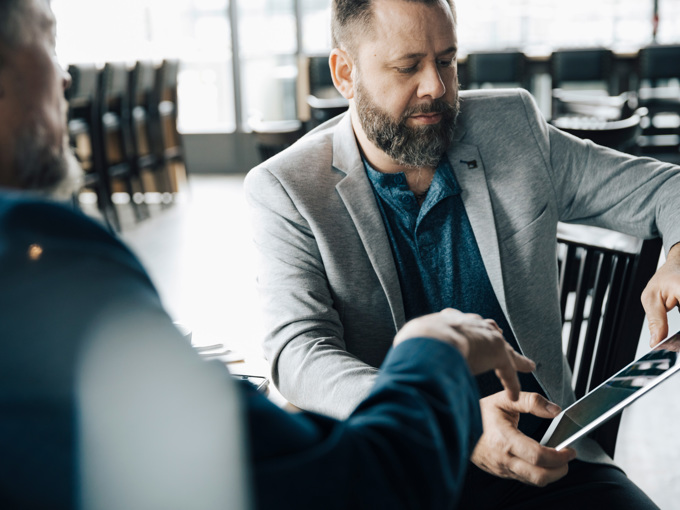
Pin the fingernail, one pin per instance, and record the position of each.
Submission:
(553, 408)
(653, 338)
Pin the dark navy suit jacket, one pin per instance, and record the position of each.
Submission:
(406, 446)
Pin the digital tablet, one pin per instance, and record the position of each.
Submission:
(613, 395)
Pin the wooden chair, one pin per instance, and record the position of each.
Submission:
(144, 157)
(166, 139)
(114, 131)
(602, 275)
(83, 126)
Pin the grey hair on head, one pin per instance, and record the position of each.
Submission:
(12, 21)
(351, 18)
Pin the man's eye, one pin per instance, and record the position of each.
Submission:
(446, 63)
(406, 70)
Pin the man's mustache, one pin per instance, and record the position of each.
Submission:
(437, 106)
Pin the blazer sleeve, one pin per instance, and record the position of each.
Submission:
(304, 332)
(598, 186)
(406, 446)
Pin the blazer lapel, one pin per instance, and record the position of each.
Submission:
(357, 194)
(469, 171)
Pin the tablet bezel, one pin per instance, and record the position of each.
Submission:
(617, 408)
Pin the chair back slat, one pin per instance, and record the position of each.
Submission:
(585, 268)
(601, 279)
(567, 274)
(600, 286)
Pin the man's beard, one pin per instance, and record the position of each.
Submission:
(44, 168)
(421, 146)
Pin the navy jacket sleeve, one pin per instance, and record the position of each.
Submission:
(405, 446)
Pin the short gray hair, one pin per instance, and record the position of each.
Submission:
(12, 21)
(349, 18)
(19, 21)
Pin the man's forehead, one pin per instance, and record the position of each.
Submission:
(44, 17)
(38, 17)
(411, 29)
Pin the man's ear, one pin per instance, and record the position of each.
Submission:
(341, 65)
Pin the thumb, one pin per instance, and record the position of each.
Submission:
(531, 403)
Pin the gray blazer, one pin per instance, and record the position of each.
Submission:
(327, 279)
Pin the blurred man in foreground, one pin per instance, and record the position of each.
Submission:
(104, 405)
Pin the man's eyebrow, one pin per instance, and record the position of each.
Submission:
(410, 56)
(450, 49)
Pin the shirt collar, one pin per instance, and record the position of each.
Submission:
(444, 183)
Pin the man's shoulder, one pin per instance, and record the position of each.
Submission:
(41, 225)
(306, 160)
(486, 113)
(487, 101)
(494, 95)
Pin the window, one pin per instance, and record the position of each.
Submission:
(316, 22)
(268, 51)
(195, 31)
(242, 55)
(495, 24)
(669, 22)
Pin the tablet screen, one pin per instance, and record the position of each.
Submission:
(614, 394)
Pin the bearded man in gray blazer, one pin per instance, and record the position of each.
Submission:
(421, 198)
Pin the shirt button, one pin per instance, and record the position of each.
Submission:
(399, 179)
(407, 199)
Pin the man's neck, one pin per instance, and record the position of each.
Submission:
(417, 178)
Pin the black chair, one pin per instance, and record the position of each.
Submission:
(320, 79)
(658, 65)
(589, 68)
(83, 126)
(612, 121)
(143, 156)
(114, 122)
(503, 68)
(166, 139)
(323, 109)
(602, 275)
(271, 137)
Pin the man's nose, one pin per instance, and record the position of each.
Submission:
(431, 83)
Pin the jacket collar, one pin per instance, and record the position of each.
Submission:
(357, 194)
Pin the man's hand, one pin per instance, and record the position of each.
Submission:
(479, 340)
(661, 295)
(505, 452)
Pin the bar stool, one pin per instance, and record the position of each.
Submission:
(84, 138)
(114, 132)
(493, 69)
